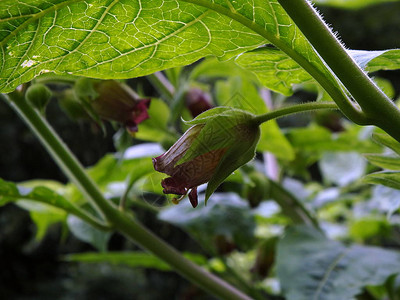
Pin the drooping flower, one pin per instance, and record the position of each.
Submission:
(197, 101)
(220, 141)
(113, 101)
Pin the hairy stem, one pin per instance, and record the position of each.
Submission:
(117, 219)
(376, 106)
(294, 109)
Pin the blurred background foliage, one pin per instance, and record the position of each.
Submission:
(48, 254)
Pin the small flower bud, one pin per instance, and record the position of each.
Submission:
(113, 101)
(197, 101)
(39, 96)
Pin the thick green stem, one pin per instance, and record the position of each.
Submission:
(117, 219)
(377, 107)
(294, 109)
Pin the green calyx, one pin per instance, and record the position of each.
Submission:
(224, 128)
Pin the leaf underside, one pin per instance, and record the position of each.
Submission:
(310, 266)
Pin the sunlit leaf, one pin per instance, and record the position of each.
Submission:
(111, 39)
(275, 69)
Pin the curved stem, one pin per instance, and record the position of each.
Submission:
(377, 107)
(117, 219)
(294, 109)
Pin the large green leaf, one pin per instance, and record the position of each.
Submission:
(310, 266)
(275, 69)
(111, 38)
(280, 73)
(226, 214)
(122, 39)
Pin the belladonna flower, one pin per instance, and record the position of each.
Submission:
(113, 101)
(220, 141)
(197, 101)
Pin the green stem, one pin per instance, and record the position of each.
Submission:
(377, 107)
(161, 83)
(294, 109)
(117, 219)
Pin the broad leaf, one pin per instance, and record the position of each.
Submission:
(111, 39)
(280, 73)
(275, 69)
(122, 39)
(225, 214)
(310, 266)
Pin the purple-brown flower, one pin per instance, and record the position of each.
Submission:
(114, 101)
(198, 101)
(219, 142)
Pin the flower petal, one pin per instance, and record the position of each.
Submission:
(193, 197)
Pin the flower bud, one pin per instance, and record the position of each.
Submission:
(220, 141)
(197, 101)
(39, 96)
(113, 101)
